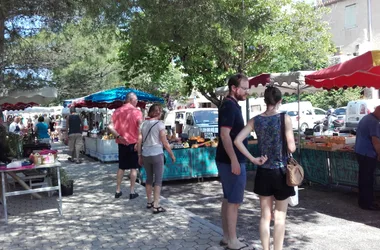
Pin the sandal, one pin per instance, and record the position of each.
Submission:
(222, 243)
(157, 210)
(149, 205)
(245, 246)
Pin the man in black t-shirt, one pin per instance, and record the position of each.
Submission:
(230, 161)
(74, 126)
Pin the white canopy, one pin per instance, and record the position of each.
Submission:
(288, 82)
(40, 96)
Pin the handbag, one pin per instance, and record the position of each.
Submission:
(294, 171)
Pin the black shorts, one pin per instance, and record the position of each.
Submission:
(270, 182)
(128, 158)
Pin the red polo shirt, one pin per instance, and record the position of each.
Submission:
(126, 120)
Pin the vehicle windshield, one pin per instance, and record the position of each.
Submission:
(206, 117)
(292, 113)
(340, 112)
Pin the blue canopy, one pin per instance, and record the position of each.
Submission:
(118, 94)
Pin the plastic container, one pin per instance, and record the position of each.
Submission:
(37, 159)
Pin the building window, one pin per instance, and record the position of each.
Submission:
(350, 16)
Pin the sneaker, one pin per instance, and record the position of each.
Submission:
(132, 196)
(117, 195)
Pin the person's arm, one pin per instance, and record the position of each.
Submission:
(289, 134)
(166, 145)
(243, 149)
(374, 132)
(139, 124)
(139, 148)
(111, 128)
(228, 147)
(67, 123)
(376, 145)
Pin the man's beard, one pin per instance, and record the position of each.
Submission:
(240, 97)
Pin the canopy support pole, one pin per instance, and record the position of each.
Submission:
(299, 116)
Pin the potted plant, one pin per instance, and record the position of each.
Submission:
(67, 184)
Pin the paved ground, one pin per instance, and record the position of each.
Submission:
(326, 218)
(93, 219)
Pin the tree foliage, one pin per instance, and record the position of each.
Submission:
(212, 39)
(20, 64)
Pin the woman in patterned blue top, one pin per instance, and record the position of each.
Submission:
(270, 181)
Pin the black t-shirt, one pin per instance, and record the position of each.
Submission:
(230, 115)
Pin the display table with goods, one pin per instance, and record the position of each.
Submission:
(331, 160)
(104, 148)
(41, 164)
(195, 158)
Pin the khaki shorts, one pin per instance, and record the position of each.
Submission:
(75, 142)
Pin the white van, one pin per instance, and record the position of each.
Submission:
(307, 117)
(256, 106)
(356, 110)
(194, 121)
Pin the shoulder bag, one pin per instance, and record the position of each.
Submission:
(147, 137)
(294, 171)
(149, 131)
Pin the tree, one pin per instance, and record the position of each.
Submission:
(213, 39)
(20, 19)
(82, 58)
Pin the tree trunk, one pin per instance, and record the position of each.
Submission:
(212, 98)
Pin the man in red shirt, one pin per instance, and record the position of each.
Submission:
(125, 125)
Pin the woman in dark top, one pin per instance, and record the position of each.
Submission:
(270, 181)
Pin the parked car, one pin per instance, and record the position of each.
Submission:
(356, 110)
(194, 121)
(307, 117)
(340, 115)
(320, 114)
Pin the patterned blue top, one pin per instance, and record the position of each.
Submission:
(268, 131)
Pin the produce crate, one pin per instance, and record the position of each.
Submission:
(310, 146)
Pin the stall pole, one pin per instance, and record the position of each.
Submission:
(4, 197)
(299, 115)
(106, 117)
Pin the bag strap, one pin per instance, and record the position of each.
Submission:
(149, 131)
(283, 135)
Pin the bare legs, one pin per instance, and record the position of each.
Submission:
(224, 221)
(281, 208)
(229, 220)
(266, 204)
(132, 179)
(132, 176)
(148, 190)
(120, 175)
(156, 195)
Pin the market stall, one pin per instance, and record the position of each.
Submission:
(97, 110)
(339, 162)
(21, 144)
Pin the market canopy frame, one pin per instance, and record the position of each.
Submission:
(41, 96)
(287, 82)
(119, 94)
